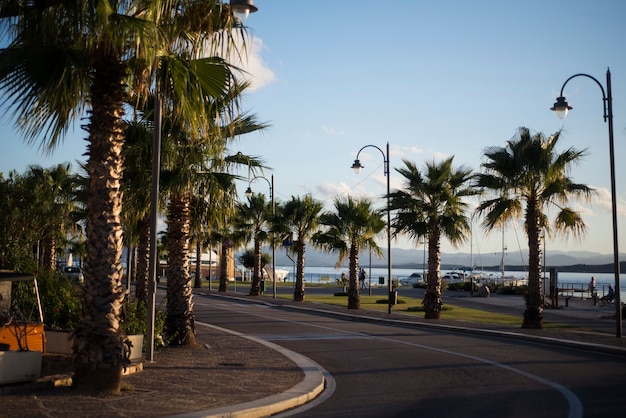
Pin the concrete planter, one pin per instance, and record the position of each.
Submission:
(136, 351)
(58, 342)
(19, 366)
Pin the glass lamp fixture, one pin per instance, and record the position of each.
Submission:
(242, 8)
(561, 107)
(357, 167)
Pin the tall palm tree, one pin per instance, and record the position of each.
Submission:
(524, 178)
(65, 58)
(252, 222)
(353, 225)
(52, 198)
(299, 217)
(431, 205)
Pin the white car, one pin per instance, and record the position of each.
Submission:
(74, 273)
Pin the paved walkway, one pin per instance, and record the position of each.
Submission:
(232, 375)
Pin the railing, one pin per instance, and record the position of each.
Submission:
(581, 290)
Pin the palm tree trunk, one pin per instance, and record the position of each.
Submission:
(433, 302)
(255, 288)
(98, 347)
(354, 296)
(298, 293)
(48, 259)
(533, 316)
(179, 321)
(224, 268)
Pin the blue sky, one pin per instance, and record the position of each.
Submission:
(432, 78)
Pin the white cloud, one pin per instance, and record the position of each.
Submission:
(332, 131)
(602, 200)
(250, 60)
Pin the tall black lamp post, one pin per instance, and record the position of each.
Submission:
(241, 8)
(357, 168)
(561, 107)
(249, 194)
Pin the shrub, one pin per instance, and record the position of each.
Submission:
(135, 321)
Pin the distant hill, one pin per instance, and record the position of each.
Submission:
(402, 258)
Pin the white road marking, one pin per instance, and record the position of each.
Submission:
(575, 405)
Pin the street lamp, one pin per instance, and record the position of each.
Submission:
(561, 107)
(357, 168)
(241, 8)
(249, 195)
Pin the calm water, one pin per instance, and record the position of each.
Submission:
(578, 280)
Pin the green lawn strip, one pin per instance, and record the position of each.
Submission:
(413, 306)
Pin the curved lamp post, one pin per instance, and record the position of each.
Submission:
(357, 168)
(249, 195)
(240, 8)
(561, 107)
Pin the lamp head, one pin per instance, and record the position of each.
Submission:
(249, 192)
(357, 166)
(242, 9)
(561, 107)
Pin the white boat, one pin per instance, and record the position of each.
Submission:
(281, 274)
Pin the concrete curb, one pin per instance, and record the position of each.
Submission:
(305, 391)
(603, 348)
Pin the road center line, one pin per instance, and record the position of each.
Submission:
(575, 406)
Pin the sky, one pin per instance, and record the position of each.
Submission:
(433, 79)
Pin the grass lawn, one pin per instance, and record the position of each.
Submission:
(413, 306)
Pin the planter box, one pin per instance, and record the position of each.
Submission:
(136, 351)
(19, 366)
(58, 342)
(30, 335)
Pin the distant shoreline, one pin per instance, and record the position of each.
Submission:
(575, 268)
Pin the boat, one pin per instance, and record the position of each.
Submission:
(281, 274)
(412, 280)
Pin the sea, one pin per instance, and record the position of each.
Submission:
(568, 280)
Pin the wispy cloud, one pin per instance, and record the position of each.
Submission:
(332, 131)
(250, 60)
(603, 201)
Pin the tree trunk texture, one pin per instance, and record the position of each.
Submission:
(223, 268)
(298, 293)
(98, 342)
(48, 259)
(255, 288)
(433, 302)
(354, 296)
(179, 321)
(533, 315)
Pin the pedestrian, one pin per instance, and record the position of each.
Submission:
(362, 277)
(592, 284)
(592, 290)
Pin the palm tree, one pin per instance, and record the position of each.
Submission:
(352, 226)
(52, 193)
(431, 205)
(251, 221)
(528, 176)
(88, 50)
(299, 217)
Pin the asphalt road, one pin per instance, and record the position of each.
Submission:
(377, 370)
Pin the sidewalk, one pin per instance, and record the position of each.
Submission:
(229, 374)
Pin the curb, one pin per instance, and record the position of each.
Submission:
(308, 389)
